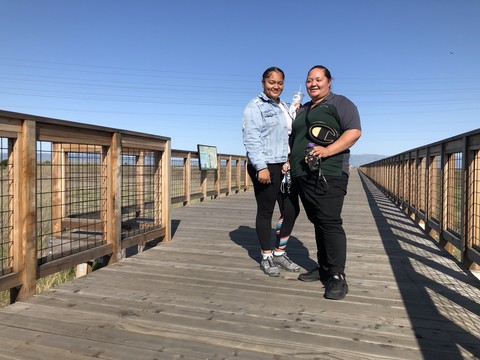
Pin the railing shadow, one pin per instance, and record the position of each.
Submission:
(424, 282)
(246, 237)
(175, 224)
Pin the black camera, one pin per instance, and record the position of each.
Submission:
(312, 161)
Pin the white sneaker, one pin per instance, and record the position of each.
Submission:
(269, 267)
(284, 262)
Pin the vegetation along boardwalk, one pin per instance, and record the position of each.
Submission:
(202, 296)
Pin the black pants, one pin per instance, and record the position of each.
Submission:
(323, 203)
(266, 195)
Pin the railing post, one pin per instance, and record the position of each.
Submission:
(218, 175)
(245, 173)
(203, 184)
(28, 210)
(187, 171)
(163, 196)
(428, 188)
(228, 171)
(473, 204)
(238, 174)
(114, 197)
(465, 215)
(445, 165)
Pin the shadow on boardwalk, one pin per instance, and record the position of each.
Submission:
(440, 297)
(246, 237)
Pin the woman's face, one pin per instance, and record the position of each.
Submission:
(317, 84)
(273, 85)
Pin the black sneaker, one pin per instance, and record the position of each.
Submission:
(336, 287)
(313, 275)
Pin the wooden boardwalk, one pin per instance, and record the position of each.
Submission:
(202, 296)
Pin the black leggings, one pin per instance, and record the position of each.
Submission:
(266, 195)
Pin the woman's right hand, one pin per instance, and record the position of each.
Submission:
(263, 176)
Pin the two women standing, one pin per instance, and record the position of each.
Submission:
(321, 135)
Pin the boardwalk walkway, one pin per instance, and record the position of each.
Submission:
(202, 296)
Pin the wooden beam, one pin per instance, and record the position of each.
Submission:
(28, 211)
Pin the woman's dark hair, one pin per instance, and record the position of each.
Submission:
(267, 72)
(325, 70)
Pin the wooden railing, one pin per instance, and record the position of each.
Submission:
(438, 186)
(189, 183)
(71, 193)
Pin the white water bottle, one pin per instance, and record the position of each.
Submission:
(296, 102)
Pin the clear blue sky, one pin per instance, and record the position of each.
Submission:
(185, 69)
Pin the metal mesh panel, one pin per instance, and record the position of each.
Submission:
(211, 176)
(243, 174)
(178, 176)
(196, 175)
(435, 192)
(140, 185)
(6, 211)
(70, 199)
(474, 205)
(223, 174)
(454, 193)
(421, 176)
(412, 183)
(235, 165)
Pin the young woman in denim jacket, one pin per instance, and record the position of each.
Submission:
(266, 125)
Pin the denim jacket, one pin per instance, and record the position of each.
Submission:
(265, 133)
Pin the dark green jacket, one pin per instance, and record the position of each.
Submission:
(337, 113)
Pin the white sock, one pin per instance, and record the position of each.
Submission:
(278, 253)
(266, 256)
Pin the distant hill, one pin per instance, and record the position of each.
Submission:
(357, 160)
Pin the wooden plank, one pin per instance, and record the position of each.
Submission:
(142, 238)
(211, 328)
(14, 347)
(10, 281)
(141, 142)
(85, 136)
(9, 127)
(67, 262)
(79, 223)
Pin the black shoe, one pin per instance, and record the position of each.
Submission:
(312, 275)
(336, 287)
